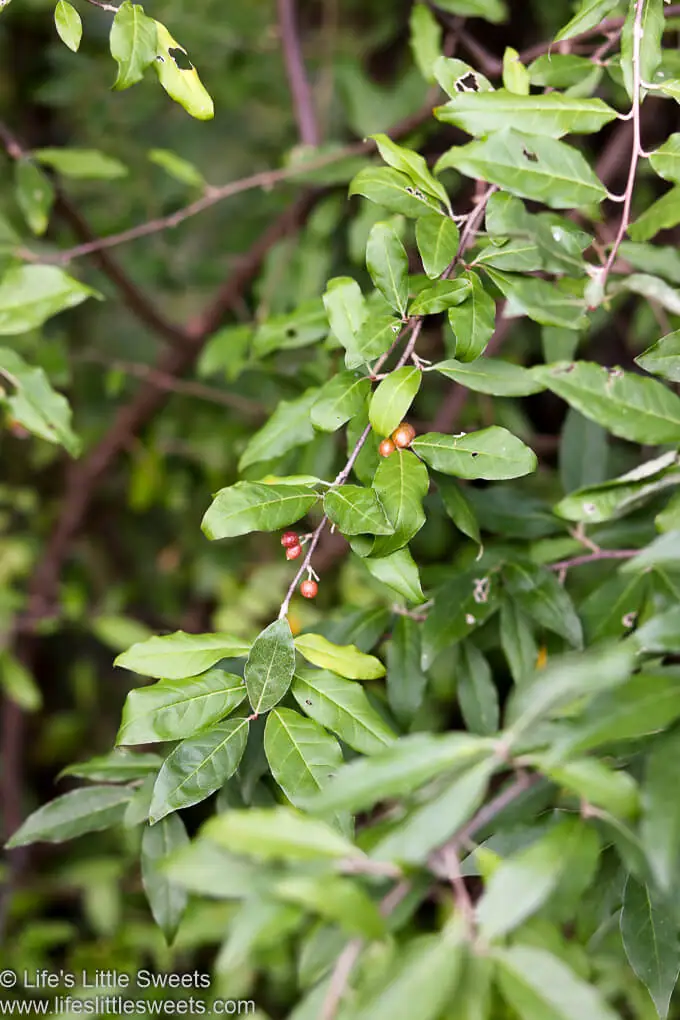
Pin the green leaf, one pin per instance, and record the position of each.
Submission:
(393, 191)
(409, 763)
(552, 114)
(666, 159)
(133, 43)
(68, 24)
(590, 14)
(34, 404)
(89, 809)
(476, 692)
(413, 165)
(337, 899)
(387, 262)
(425, 40)
(18, 684)
(437, 238)
(663, 357)
(542, 169)
(621, 495)
(612, 608)
(629, 406)
(651, 32)
(490, 453)
(515, 75)
(441, 296)
(356, 510)
(346, 310)
(35, 196)
(460, 606)
(539, 594)
(346, 660)
(473, 322)
(523, 883)
(399, 572)
(401, 483)
(650, 938)
(343, 397)
(579, 434)
(491, 375)
(184, 86)
(491, 10)
(342, 706)
(659, 633)
(270, 666)
(179, 655)
(406, 681)
(662, 260)
(29, 295)
(166, 900)
(431, 824)
(654, 289)
(661, 215)
(85, 163)
(458, 508)
(560, 70)
(302, 756)
(597, 784)
(288, 427)
(517, 641)
(206, 869)
(176, 167)
(255, 506)
(173, 710)
(198, 767)
(660, 825)
(116, 767)
(552, 304)
(374, 338)
(299, 328)
(537, 984)
(280, 833)
(664, 550)
(392, 399)
(643, 705)
(427, 973)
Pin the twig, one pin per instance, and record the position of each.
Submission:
(451, 864)
(163, 381)
(303, 101)
(593, 557)
(104, 7)
(636, 152)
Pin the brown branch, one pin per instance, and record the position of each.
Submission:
(593, 557)
(303, 101)
(132, 296)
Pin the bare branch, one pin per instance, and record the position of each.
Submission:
(303, 100)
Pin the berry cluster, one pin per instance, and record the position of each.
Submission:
(402, 437)
(290, 540)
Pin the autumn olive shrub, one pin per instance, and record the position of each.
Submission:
(522, 859)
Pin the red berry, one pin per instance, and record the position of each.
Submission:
(293, 551)
(404, 435)
(386, 448)
(289, 539)
(309, 589)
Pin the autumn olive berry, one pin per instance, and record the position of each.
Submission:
(293, 551)
(290, 539)
(309, 589)
(404, 435)
(386, 448)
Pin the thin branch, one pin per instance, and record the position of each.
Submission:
(303, 100)
(451, 864)
(103, 6)
(593, 557)
(265, 179)
(171, 384)
(636, 152)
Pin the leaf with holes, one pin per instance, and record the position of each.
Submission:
(393, 191)
(552, 115)
(181, 83)
(492, 453)
(413, 165)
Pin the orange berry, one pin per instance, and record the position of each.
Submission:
(404, 435)
(386, 448)
(293, 551)
(290, 538)
(309, 589)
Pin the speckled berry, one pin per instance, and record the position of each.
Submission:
(290, 539)
(309, 589)
(386, 448)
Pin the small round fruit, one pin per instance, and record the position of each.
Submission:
(386, 448)
(290, 539)
(293, 551)
(309, 589)
(404, 435)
